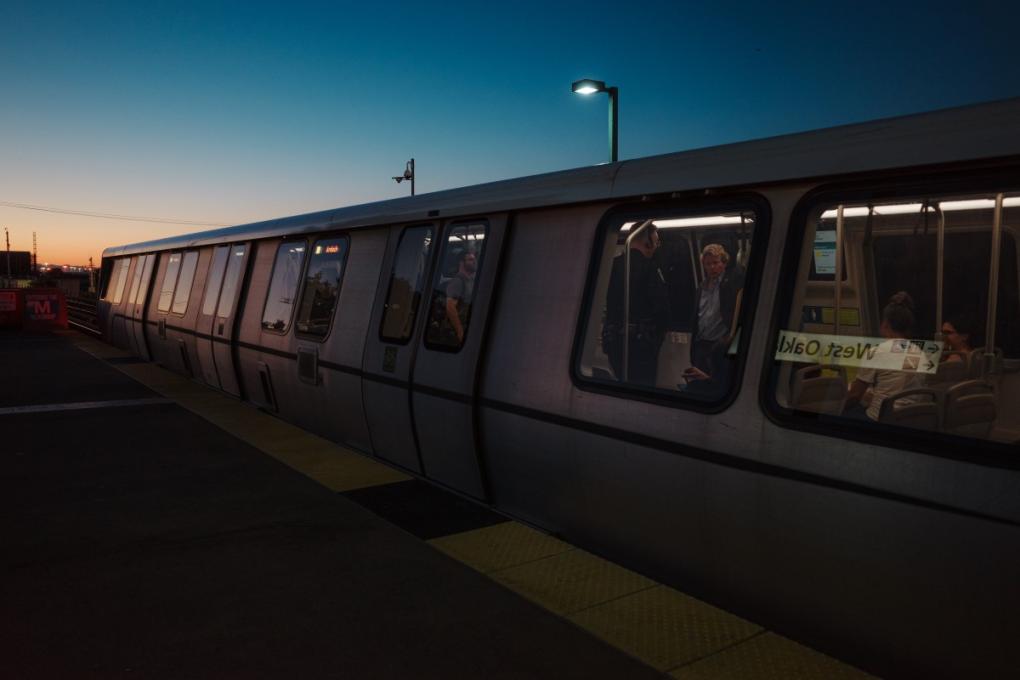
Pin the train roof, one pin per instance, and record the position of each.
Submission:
(982, 131)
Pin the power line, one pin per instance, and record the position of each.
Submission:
(111, 216)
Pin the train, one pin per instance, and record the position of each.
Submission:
(781, 375)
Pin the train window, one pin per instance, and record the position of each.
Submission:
(666, 305)
(450, 309)
(145, 266)
(231, 280)
(322, 286)
(136, 279)
(173, 267)
(120, 275)
(290, 258)
(406, 280)
(184, 281)
(215, 280)
(924, 331)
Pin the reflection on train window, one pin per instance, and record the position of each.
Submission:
(404, 292)
(290, 258)
(924, 332)
(666, 308)
(146, 263)
(136, 279)
(119, 279)
(215, 280)
(231, 280)
(453, 291)
(322, 286)
(166, 295)
(184, 281)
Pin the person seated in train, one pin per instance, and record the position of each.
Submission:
(961, 336)
(459, 293)
(717, 305)
(649, 311)
(872, 385)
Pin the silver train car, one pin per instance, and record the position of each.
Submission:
(781, 375)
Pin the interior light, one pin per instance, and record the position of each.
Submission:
(904, 208)
(708, 221)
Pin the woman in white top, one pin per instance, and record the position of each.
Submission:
(872, 385)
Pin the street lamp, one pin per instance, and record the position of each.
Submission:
(408, 174)
(588, 86)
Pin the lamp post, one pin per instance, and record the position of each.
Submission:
(408, 174)
(588, 86)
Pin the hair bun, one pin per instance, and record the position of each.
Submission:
(902, 298)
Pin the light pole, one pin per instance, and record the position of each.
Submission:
(408, 174)
(588, 86)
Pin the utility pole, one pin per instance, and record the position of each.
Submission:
(92, 280)
(35, 257)
(408, 174)
(7, 234)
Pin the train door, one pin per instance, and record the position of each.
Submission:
(136, 305)
(120, 335)
(216, 318)
(447, 363)
(390, 351)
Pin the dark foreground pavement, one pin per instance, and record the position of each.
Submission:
(141, 541)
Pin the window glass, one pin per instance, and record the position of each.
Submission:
(666, 307)
(906, 339)
(121, 276)
(406, 282)
(135, 279)
(187, 276)
(231, 280)
(139, 296)
(453, 292)
(215, 280)
(322, 286)
(284, 287)
(173, 267)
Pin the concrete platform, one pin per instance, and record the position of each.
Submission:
(144, 540)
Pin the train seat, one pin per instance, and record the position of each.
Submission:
(812, 390)
(976, 362)
(919, 408)
(951, 371)
(970, 409)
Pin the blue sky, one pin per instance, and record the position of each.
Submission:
(234, 112)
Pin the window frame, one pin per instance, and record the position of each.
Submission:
(878, 187)
(389, 286)
(437, 274)
(173, 289)
(345, 236)
(269, 288)
(677, 208)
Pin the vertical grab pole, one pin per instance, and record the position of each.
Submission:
(839, 269)
(939, 268)
(993, 289)
(626, 297)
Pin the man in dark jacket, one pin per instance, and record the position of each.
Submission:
(717, 303)
(648, 314)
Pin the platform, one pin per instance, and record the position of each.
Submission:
(154, 528)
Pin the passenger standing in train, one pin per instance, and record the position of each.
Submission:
(717, 306)
(872, 386)
(649, 311)
(459, 293)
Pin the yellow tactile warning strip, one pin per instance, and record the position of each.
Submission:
(685, 638)
(334, 466)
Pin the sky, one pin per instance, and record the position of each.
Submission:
(226, 113)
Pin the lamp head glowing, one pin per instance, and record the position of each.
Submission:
(588, 86)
